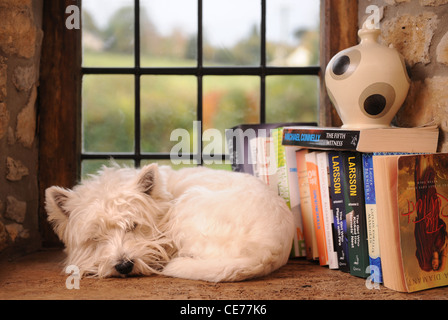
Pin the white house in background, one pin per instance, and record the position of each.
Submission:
(301, 56)
(92, 42)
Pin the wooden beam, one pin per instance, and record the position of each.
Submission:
(339, 30)
(59, 101)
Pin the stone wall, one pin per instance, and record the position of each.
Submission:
(418, 29)
(20, 47)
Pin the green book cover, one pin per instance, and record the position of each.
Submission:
(288, 189)
(356, 214)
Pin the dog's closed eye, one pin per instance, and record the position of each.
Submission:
(95, 239)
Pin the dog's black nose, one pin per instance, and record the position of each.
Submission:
(124, 267)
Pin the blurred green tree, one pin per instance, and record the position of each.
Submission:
(119, 33)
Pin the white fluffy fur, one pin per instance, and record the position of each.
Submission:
(193, 223)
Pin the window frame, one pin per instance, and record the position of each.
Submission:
(199, 71)
(59, 128)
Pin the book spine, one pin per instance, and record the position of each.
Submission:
(253, 151)
(305, 206)
(316, 204)
(294, 195)
(239, 151)
(371, 219)
(282, 183)
(337, 196)
(321, 138)
(288, 193)
(327, 210)
(264, 167)
(356, 215)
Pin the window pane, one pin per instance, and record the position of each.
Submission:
(108, 33)
(167, 163)
(223, 166)
(228, 101)
(108, 113)
(231, 32)
(92, 166)
(168, 33)
(167, 103)
(292, 32)
(292, 98)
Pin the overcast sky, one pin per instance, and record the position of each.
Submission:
(225, 21)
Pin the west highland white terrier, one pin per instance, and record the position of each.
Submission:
(194, 223)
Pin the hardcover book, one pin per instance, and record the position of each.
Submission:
(421, 139)
(412, 216)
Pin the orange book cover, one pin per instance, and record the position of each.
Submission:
(316, 204)
(305, 206)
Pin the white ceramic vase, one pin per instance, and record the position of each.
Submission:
(367, 83)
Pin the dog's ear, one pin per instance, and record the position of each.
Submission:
(148, 178)
(55, 204)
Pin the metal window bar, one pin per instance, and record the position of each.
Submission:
(199, 71)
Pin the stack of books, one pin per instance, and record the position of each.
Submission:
(370, 202)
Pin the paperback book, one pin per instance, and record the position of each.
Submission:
(339, 210)
(355, 215)
(316, 205)
(306, 206)
(238, 137)
(288, 188)
(420, 139)
(412, 202)
(327, 209)
(371, 218)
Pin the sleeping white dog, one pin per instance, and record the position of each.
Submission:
(194, 223)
